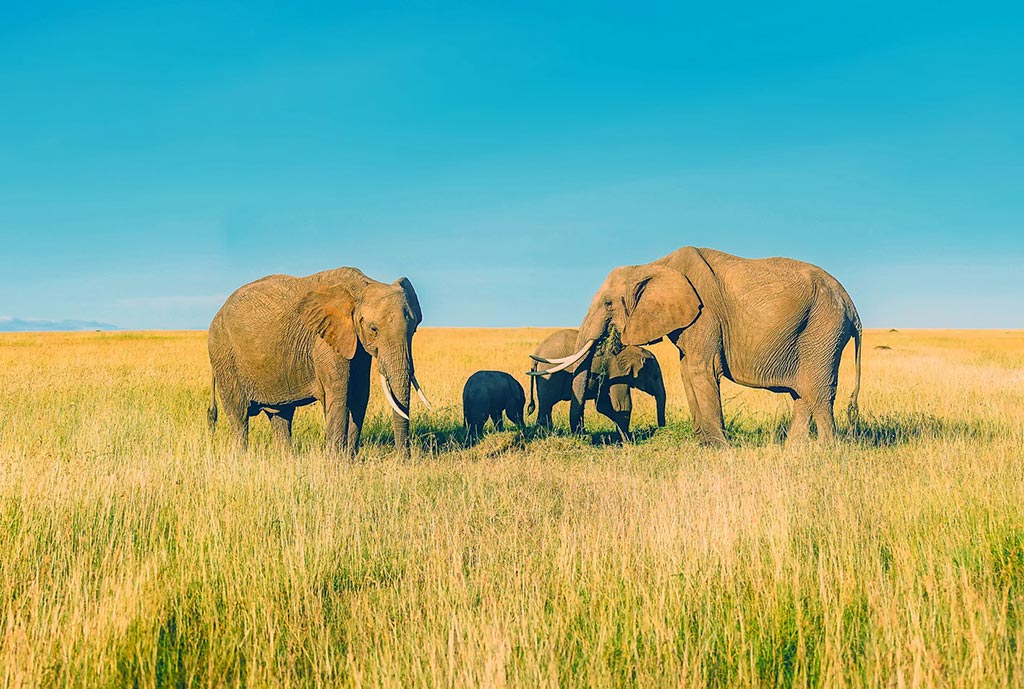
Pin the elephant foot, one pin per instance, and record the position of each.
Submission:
(797, 441)
(713, 442)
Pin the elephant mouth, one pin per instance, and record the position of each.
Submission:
(608, 348)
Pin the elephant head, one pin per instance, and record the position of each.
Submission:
(382, 319)
(639, 305)
(636, 305)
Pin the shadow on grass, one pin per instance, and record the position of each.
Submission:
(436, 436)
(883, 430)
(640, 434)
(888, 430)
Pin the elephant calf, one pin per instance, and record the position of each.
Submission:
(633, 367)
(489, 394)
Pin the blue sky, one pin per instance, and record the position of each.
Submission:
(154, 157)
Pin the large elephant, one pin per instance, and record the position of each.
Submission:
(282, 342)
(772, 323)
(609, 384)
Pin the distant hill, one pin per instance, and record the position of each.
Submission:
(20, 325)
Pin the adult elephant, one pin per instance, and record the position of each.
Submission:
(610, 382)
(772, 323)
(282, 342)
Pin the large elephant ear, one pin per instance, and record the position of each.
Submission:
(410, 296)
(663, 301)
(329, 313)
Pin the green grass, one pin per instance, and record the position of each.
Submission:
(136, 552)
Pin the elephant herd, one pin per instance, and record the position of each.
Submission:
(779, 324)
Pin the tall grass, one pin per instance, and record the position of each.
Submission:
(136, 551)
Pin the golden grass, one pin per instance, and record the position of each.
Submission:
(133, 551)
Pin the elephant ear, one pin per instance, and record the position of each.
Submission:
(329, 313)
(410, 296)
(663, 301)
(629, 361)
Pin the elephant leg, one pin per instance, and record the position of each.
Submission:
(821, 348)
(544, 413)
(620, 418)
(576, 423)
(704, 393)
(515, 415)
(799, 428)
(659, 400)
(336, 421)
(239, 422)
(236, 409)
(691, 402)
(281, 423)
(358, 399)
(499, 423)
(823, 419)
(578, 401)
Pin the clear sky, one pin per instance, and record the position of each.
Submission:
(155, 157)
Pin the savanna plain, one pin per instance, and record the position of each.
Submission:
(137, 551)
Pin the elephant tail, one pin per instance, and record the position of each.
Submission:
(852, 412)
(533, 383)
(211, 413)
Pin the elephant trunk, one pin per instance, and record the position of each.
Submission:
(396, 372)
(591, 339)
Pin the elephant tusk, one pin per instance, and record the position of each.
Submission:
(562, 359)
(391, 398)
(556, 369)
(565, 361)
(566, 364)
(416, 385)
(537, 372)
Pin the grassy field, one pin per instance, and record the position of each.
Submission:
(135, 551)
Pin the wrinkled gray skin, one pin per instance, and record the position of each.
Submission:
(772, 323)
(488, 395)
(633, 367)
(282, 342)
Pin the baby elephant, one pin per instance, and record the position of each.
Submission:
(488, 394)
(633, 367)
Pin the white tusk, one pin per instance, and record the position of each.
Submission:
(559, 359)
(569, 361)
(562, 359)
(556, 369)
(391, 398)
(416, 384)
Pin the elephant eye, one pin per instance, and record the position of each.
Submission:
(608, 303)
(373, 328)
